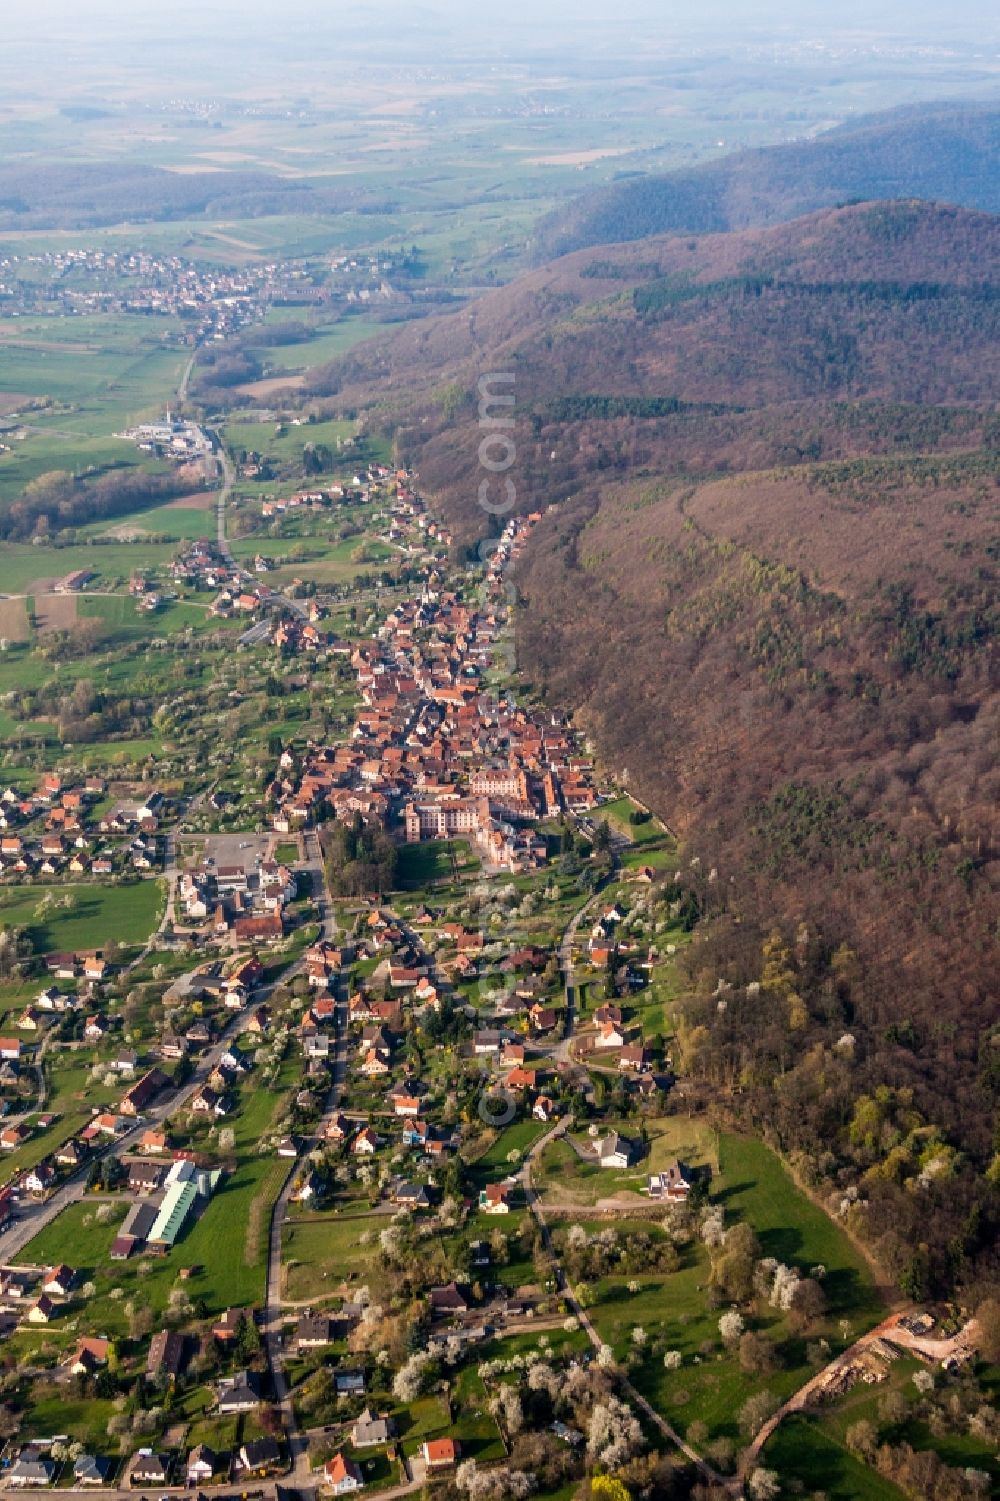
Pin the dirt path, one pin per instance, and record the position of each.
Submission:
(891, 1329)
(534, 1205)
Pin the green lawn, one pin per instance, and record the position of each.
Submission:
(230, 1262)
(519, 1136)
(824, 1431)
(435, 860)
(326, 342)
(801, 1452)
(69, 1120)
(93, 916)
(754, 1185)
(23, 566)
(76, 1237)
(264, 437)
(562, 1174)
(618, 815)
(318, 1254)
(85, 1418)
(128, 623)
(15, 995)
(181, 522)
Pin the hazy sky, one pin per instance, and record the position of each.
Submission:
(517, 23)
(105, 49)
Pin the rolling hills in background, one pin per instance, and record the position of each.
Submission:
(947, 152)
(769, 592)
(90, 195)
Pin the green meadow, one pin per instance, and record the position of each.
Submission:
(69, 917)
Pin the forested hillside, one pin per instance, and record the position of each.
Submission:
(855, 331)
(945, 152)
(799, 669)
(769, 591)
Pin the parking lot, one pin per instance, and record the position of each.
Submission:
(237, 849)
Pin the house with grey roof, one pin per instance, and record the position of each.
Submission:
(371, 1428)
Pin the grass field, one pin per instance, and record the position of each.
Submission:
(86, 1418)
(326, 343)
(23, 566)
(230, 1262)
(92, 917)
(317, 558)
(181, 522)
(287, 444)
(520, 1136)
(801, 1452)
(319, 1254)
(617, 814)
(434, 860)
(131, 624)
(755, 1186)
(802, 1442)
(673, 1309)
(102, 373)
(77, 1238)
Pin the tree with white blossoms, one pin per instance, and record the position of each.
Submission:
(731, 1326)
(409, 1380)
(606, 1357)
(763, 1485)
(639, 1336)
(571, 1323)
(449, 1213)
(506, 1407)
(542, 1378)
(615, 1434)
(227, 1139)
(784, 1287)
(497, 1484)
(763, 1276)
(672, 1360)
(923, 1381)
(178, 1302)
(465, 1474)
(452, 1352)
(713, 1227)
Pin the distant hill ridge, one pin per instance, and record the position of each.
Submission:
(947, 152)
(83, 195)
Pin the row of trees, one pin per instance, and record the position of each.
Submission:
(57, 500)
